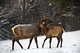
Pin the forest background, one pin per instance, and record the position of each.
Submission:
(12, 12)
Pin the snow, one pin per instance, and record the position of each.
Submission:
(71, 44)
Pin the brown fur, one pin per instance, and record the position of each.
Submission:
(25, 31)
(50, 32)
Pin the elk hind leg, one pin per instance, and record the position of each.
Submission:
(58, 41)
(30, 42)
(61, 42)
(19, 44)
(13, 41)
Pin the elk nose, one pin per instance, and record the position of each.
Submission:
(51, 22)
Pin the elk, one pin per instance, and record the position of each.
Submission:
(25, 31)
(51, 32)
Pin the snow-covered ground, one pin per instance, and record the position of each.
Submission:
(71, 44)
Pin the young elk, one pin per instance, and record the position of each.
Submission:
(50, 32)
(25, 31)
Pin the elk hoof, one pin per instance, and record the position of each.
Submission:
(57, 47)
(22, 47)
(12, 48)
(50, 47)
(37, 47)
(60, 46)
(42, 47)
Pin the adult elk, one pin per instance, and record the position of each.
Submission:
(25, 31)
(50, 32)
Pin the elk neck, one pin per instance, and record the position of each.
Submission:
(44, 28)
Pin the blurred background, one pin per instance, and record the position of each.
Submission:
(62, 12)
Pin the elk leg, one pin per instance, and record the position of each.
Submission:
(30, 42)
(50, 42)
(13, 41)
(44, 42)
(61, 42)
(19, 44)
(58, 41)
(36, 42)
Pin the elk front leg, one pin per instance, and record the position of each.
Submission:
(36, 42)
(50, 42)
(44, 42)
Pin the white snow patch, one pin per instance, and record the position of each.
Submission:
(71, 44)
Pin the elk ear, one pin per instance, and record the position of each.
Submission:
(43, 22)
(43, 18)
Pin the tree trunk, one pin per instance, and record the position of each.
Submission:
(23, 12)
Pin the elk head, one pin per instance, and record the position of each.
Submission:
(46, 20)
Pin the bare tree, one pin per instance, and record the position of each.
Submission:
(23, 12)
